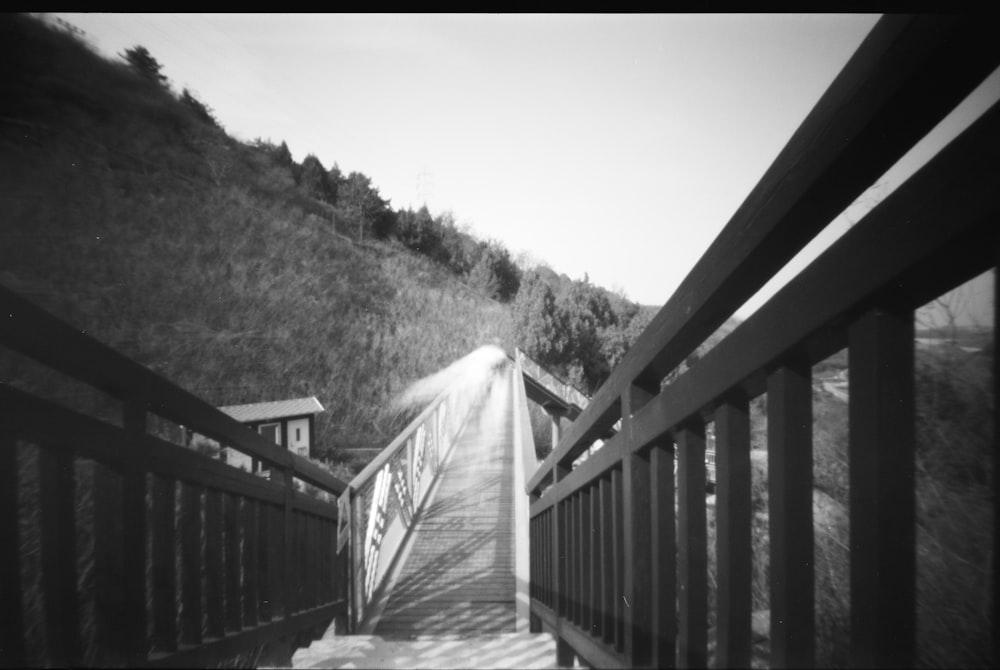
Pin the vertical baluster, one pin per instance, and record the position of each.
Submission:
(733, 536)
(109, 540)
(618, 542)
(996, 452)
(57, 487)
(575, 556)
(231, 520)
(250, 593)
(288, 576)
(214, 570)
(564, 653)
(882, 497)
(164, 547)
(191, 566)
(692, 551)
(607, 562)
(636, 535)
(533, 562)
(584, 563)
(664, 577)
(789, 469)
(11, 618)
(276, 543)
(134, 559)
(265, 542)
(594, 588)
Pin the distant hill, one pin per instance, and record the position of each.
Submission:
(148, 227)
(239, 273)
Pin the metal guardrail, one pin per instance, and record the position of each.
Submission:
(567, 393)
(381, 503)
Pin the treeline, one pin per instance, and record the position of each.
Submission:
(577, 330)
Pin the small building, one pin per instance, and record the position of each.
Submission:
(289, 423)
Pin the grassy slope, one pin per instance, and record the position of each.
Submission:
(119, 219)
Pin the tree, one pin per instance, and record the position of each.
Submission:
(362, 204)
(200, 109)
(334, 179)
(420, 232)
(495, 274)
(313, 179)
(140, 60)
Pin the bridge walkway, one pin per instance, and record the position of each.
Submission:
(451, 602)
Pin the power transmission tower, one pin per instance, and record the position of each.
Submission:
(425, 186)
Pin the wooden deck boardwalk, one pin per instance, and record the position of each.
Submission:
(452, 601)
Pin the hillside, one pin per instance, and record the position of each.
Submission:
(118, 219)
(241, 274)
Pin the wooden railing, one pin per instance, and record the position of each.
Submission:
(120, 548)
(619, 555)
(383, 502)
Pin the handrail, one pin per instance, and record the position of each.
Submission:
(37, 334)
(381, 503)
(619, 569)
(567, 393)
(263, 552)
(906, 75)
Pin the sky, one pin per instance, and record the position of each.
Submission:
(616, 146)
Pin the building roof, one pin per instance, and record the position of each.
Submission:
(275, 409)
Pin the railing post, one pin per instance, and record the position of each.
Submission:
(11, 619)
(289, 589)
(733, 532)
(692, 550)
(564, 653)
(664, 559)
(134, 557)
(790, 477)
(636, 525)
(882, 496)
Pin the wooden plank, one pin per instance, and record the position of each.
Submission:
(559, 523)
(734, 558)
(618, 535)
(251, 593)
(214, 565)
(109, 602)
(594, 590)
(275, 560)
(264, 541)
(231, 545)
(191, 564)
(882, 498)
(164, 547)
(790, 479)
(692, 549)
(134, 559)
(590, 650)
(608, 582)
(288, 570)
(57, 488)
(576, 555)
(636, 527)
(584, 562)
(663, 583)
(11, 619)
(884, 100)
(537, 567)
